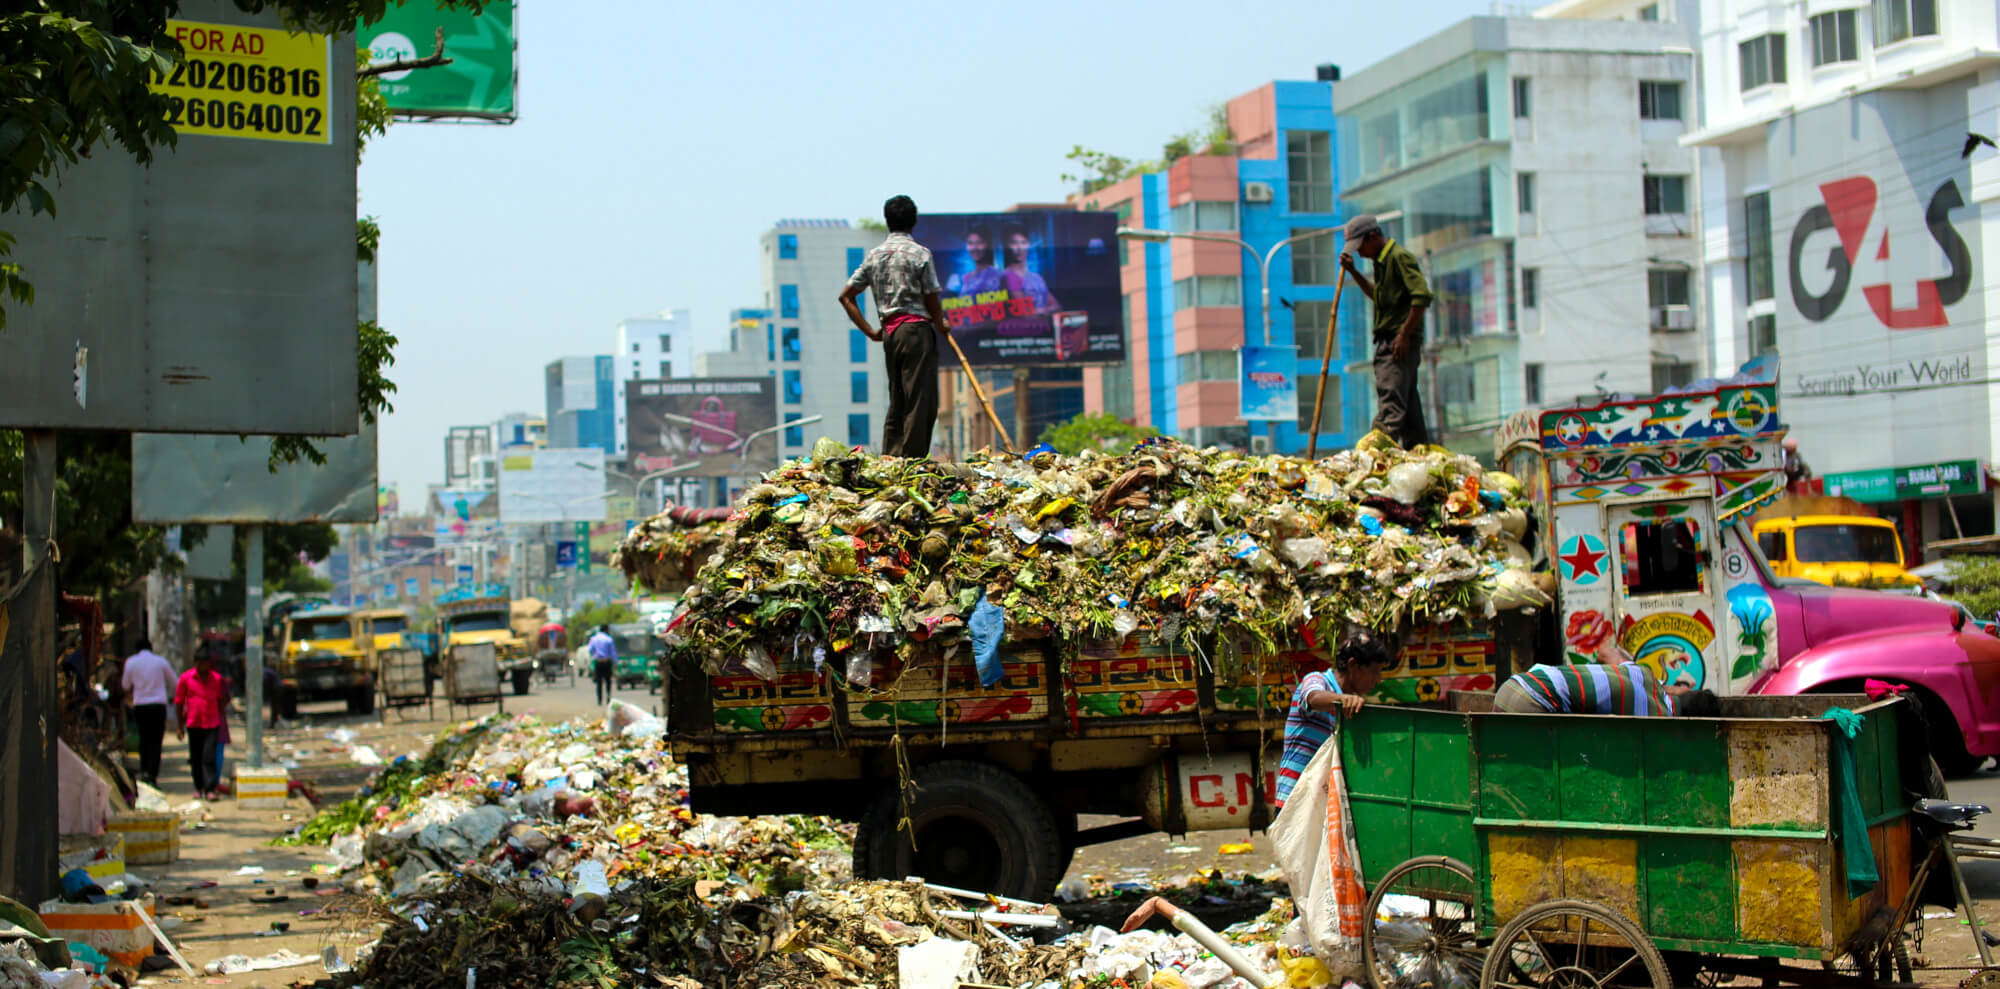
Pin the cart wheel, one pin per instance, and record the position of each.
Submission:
(1887, 963)
(1572, 944)
(1985, 978)
(1426, 935)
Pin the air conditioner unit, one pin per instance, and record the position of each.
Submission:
(1673, 319)
(1257, 192)
(1260, 444)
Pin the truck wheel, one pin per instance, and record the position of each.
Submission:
(523, 679)
(361, 700)
(974, 826)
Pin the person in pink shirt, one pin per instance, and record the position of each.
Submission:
(203, 698)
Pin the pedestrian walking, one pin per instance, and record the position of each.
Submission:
(148, 681)
(603, 662)
(1401, 295)
(904, 279)
(203, 698)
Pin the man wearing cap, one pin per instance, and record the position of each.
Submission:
(1400, 295)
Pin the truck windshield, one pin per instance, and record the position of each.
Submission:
(479, 623)
(391, 625)
(1846, 544)
(323, 630)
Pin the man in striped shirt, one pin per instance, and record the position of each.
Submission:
(1358, 664)
(1613, 686)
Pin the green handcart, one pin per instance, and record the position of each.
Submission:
(1507, 851)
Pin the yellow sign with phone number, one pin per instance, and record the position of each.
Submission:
(265, 84)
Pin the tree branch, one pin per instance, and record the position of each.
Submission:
(435, 58)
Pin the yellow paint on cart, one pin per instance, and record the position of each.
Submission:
(1779, 896)
(1529, 868)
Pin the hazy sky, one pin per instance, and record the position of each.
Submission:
(657, 141)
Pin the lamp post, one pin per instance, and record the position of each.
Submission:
(639, 483)
(768, 430)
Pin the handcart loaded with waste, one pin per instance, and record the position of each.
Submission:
(966, 657)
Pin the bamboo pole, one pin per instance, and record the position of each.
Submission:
(1006, 441)
(1326, 346)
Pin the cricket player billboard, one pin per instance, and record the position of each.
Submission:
(723, 424)
(1037, 287)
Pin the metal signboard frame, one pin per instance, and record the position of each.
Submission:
(181, 478)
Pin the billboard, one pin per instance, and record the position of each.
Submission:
(726, 424)
(1267, 387)
(552, 485)
(214, 290)
(479, 81)
(1030, 288)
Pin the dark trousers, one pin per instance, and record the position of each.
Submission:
(600, 677)
(201, 757)
(152, 722)
(1399, 410)
(912, 353)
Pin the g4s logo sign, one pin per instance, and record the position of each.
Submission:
(1847, 209)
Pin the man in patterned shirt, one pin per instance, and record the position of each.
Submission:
(905, 282)
(1616, 685)
(1358, 665)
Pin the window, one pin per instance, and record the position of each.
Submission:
(1757, 237)
(1659, 101)
(789, 337)
(1531, 288)
(1650, 12)
(770, 342)
(1524, 192)
(1309, 326)
(1192, 216)
(795, 388)
(1833, 38)
(857, 346)
(1666, 287)
(1531, 384)
(1208, 365)
(1673, 375)
(1666, 194)
(666, 344)
(1661, 557)
(1117, 381)
(1896, 20)
(1761, 60)
(1125, 314)
(857, 429)
(1329, 414)
(857, 387)
(1315, 260)
(1124, 211)
(1772, 544)
(1309, 171)
(1846, 544)
(1523, 99)
(1206, 290)
(788, 246)
(794, 435)
(635, 346)
(666, 369)
(856, 255)
(1763, 335)
(788, 301)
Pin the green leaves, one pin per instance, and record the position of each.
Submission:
(1098, 431)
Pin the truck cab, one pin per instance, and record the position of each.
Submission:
(1851, 550)
(323, 656)
(479, 614)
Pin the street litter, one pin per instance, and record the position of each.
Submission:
(232, 964)
(886, 554)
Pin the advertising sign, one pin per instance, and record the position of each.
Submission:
(565, 553)
(669, 423)
(1948, 479)
(1877, 272)
(552, 485)
(463, 573)
(1862, 485)
(1268, 388)
(1038, 287)
(479, 82)
(264, 84)
(410, 587)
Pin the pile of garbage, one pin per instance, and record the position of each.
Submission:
(663, 553)
(903, 553)
(565, 855)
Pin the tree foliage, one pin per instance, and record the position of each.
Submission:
(1098, 431)
(1099, 169)
(289, 551)
(1975, 583)
(580, 623)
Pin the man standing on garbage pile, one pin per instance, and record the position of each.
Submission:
(203, 698)
(603, 662)
(904, 278)
(1613, 685)
(1358, 664)
(148, 680)
(1401, 295)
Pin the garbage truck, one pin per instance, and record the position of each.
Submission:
(475, 614)
(323, 655)
(1639, 512)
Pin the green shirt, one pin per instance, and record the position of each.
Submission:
(1399, 285)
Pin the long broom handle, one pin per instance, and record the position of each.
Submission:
(1006, 441)
(1326, 346)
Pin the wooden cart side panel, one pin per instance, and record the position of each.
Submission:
(1409, 786)
(1689, 885)
(1780, 773)
(1782, 895)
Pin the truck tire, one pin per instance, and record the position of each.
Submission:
(361, 700)
(975, 827)
(523, 679)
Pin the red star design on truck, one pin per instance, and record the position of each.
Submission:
(1582, 560)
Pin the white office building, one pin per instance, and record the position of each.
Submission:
(1845, 230)
(650, 348)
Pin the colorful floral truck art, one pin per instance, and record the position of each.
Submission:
(1645, 510)
(1640, 512)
